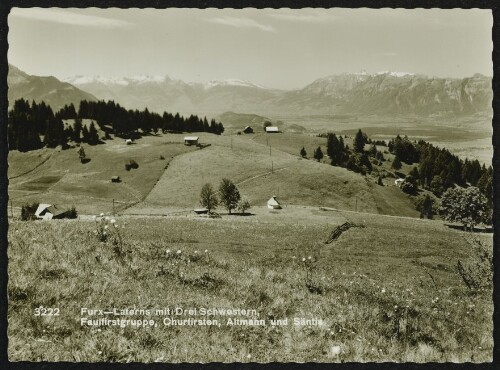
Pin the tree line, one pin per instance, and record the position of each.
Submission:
(34, 126)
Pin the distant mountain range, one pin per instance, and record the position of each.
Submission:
(48, 89)
(384, 93)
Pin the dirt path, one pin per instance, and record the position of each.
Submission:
(260, 175)
(34, 168)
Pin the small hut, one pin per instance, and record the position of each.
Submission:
(273, 203)
(272, 129)
(248, 130)
(115, 179)
(191, 140)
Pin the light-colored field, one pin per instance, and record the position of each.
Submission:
(386, 292)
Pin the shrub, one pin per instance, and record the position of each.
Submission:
(131, 164)
(107, 230)
(425, 205)
(477, 271)
(72, 213)
(244, 206)
(28, 212)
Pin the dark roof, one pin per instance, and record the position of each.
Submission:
(56, 211)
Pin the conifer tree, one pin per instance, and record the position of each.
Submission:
(359, 142)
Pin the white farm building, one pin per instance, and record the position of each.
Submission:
(273, 203)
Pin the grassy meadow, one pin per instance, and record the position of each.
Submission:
(382, 295)
(387, 291)
(57, 176)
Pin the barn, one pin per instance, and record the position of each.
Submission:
(272, 129)
(191, 140)
(273, 203)
(49, 211)
(248, 130)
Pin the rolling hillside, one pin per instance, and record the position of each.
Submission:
(171, 184)
(57, 176)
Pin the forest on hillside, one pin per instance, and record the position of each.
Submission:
(36, 125)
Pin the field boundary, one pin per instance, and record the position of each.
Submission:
(34, 168)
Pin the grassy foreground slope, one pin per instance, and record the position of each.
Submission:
(383, 295)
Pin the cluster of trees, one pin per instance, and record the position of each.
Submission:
(438, 170)
(357, 159)
(228, 196)
(124, 121)
(33, 126)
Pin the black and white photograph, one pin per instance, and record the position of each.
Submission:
(250, 185)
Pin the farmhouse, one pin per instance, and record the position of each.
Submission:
(191, 140)
(128, 141)
(398, 182)
(49, 211)
(248, 130)
(272, 129)
(273, 203)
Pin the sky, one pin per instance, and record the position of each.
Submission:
(275, 48)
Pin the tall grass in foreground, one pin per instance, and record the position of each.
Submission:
(383, 295)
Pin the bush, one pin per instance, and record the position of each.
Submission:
(244, 206)
(28, 212)
(477, 271)
(72, 213)
(131, 164)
